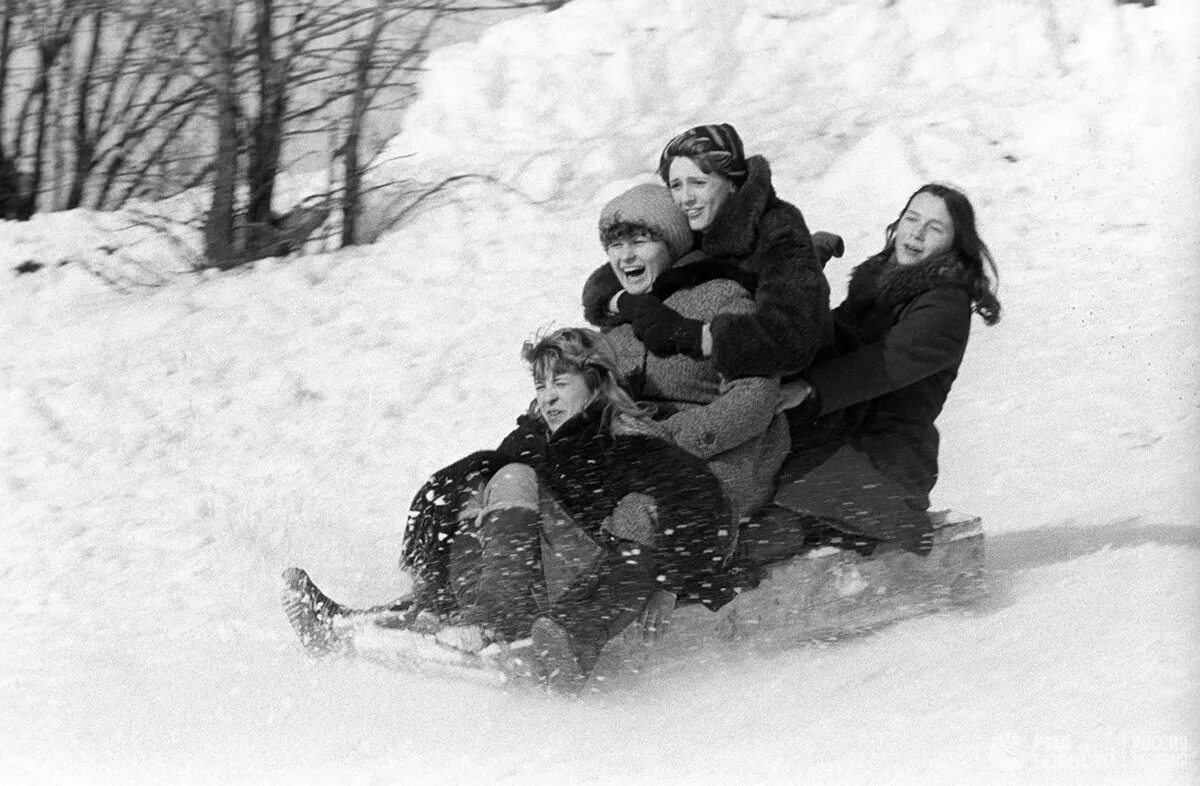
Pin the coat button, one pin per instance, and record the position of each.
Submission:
(708, 438)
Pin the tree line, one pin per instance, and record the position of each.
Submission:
(107, 101)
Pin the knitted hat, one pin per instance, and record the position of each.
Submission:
(649, 205)
(720, 142)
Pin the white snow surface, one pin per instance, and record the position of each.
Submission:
(168, 449)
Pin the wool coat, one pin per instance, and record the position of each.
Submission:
(909, 326)
(769, 240)
(730, 424)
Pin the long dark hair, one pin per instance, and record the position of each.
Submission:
(968, 247)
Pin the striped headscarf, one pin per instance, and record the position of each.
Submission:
(719, 147)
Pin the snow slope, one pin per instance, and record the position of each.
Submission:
(168, 449)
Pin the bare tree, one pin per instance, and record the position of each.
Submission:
(220, 24)
(50, 33)
(97, 92)
(377, 63)
(8, 169)
(119, 99)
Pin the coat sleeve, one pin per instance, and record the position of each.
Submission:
(930, 335)
(743, 410)
(792, 319)
(598, 290)
(744, 407)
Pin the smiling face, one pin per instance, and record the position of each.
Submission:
(699, 194)
(924, 230)
(561, 397)
(638, 260)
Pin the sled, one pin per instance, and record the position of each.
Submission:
(825, 593)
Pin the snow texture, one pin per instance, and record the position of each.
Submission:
(171, 441)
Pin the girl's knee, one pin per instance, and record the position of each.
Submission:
(514, 484)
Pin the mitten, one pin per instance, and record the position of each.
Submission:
(634, 518)
(827, 245)
(662, 329)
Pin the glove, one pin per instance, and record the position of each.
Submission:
(661, 328)
(827, 245)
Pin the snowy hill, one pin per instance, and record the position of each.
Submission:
(167, 450)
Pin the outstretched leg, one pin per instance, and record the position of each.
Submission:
(315, 616)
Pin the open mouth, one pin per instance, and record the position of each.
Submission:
(634, 272)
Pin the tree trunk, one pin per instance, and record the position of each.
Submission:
(47, 52)
(220, 243)
(84, 141)
(267, 136)
(359, 104)
(8, 169)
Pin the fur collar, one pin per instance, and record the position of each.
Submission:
(690, 274)
(734, 230)
(889, 285)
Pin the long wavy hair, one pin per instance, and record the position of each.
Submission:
(586, 352)
(968, 248)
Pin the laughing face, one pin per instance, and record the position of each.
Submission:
(698, 194)
(924, 230)
(638, 260)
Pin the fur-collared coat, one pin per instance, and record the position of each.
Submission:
(731, 424)
(769, 240)
(910, 325)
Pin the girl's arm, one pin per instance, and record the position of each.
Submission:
(598, 291)
(930, 336)
(744, 407)
(792, 319)
(742, 411)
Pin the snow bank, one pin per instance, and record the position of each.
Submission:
(167, 450)
(560, 104)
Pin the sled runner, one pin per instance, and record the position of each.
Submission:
(824, 593)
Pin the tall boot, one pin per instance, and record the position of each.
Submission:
(508, 587)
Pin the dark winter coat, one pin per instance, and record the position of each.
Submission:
(910, 325)
(730, 424)
(769, 240)
(589, 470)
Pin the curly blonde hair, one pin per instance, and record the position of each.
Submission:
(590, 354)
